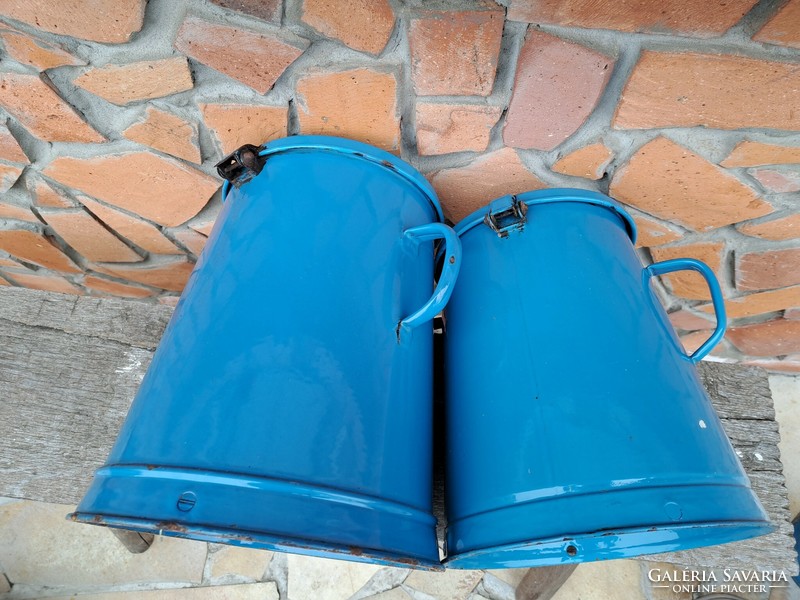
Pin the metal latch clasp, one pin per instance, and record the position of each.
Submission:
(241, 165)
(507, 218)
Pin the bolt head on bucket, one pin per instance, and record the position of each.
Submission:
(289, 403)
(570, 393)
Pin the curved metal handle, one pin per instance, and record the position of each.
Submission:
(452, 263)
(690, 264)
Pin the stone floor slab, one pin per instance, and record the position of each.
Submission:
(453, 584)
(786, 396)
(326, 579)
(247, 591)
(604, 580)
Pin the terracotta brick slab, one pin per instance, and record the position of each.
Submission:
(688, 321)
(694, 17)
(43, 281)
(787, 365)
(756, 154)
(222, 48)
(88, 237)
(20, 213)
(44, 195)
(689, 284)
(194, 241)
(669, 181)
(783, 28)
(115, 288)
(759, 303)
(463, 190)
(719, 91)
(29, 51)
(361, 24)
(445, 128)
(455, 53)
(35, 248)
(8, 176)
(109, 21)
(652, 233)
(772, 338)
(785, 228)
(589, 162)
(123, 84)
(557, 85)
(768, 270)
(168, 133)
(148, 237)
(157, 188)
(170, 276)
(360, 104)
(10, 149)
(266, 10)
(780, 182)
(43, 112)
(237, 124)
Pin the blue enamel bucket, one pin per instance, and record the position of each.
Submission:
(289, 403)
(577, 427)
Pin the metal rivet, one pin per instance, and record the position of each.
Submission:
(572, 550)
(187, 501)
(452, 260)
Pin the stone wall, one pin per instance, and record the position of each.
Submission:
(688, 112)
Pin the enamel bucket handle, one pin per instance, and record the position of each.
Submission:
(452, 263)
(690, 264)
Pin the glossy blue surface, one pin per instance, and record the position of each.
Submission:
(289, 403)
(577, 428)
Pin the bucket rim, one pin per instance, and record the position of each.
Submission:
(553, 196)
(361, 150)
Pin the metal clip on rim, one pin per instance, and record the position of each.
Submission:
(240, 166)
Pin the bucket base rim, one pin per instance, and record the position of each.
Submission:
(257, 540)
(607, 545)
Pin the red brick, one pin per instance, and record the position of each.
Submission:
(589, 162)
(463, 190)
(124, 84)
(792, 313)
(756, 154)
(35, 248)
(445, 128)
(114, 288)
(364, 25)
(88, 237)
(237, 124)
(785, 228)
(688, 321)
(222, 48)
(689, 284)
(158, 188)
(773, 338)
(722, 92)
(455, 53)
(43, 112)
(557, 85)
(143, 234)
(169, 300)
(168, 133)
(652, 233)
(45, 195)
(203, 226)
(780, 182)
(360, 104)
(20, 213)
(768, 270)
(788, 365)
(10, 149)
(42, 281)
(692, 341)
(759, 303)
(7, 262)
(108, 21)
(29, 51)
(8, 176)
(669, 181)
(191, 239)
(783, 28)
(170, 276)
(266, 10)
(693, 17)
(4, 282)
